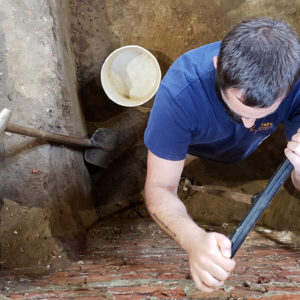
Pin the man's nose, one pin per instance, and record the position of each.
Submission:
(248, 123)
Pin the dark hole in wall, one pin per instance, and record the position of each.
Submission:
(97, 107)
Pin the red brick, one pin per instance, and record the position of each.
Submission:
(163, 267)
(134, 289)
(52, 294)
(289, 272)
(293, 278)
(90, 298)
(138, 276)
(77, 294)
(171, 276)
(83, 293)
(244, 277)
(128, 297)
(72, 280)
(55, 298)
(101, 278)
(281, 279)
(95, 267)
(220, 295)
(167, 293)
(16, 296)
(278, 297)
(61, 274)
(283, 263)
(41, 283)
(73, 268)
(284, 288)
(274, 252)
(266, 263)
(244, 293)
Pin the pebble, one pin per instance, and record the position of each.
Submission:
(227, 288)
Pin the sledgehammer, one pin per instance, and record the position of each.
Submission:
(261, 202)
(99, 148)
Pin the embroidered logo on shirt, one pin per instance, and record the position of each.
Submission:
(263, 126)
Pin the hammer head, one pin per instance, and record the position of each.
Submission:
(5, 115)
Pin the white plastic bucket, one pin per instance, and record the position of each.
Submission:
(130, 76)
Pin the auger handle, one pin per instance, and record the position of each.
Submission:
(261, 202)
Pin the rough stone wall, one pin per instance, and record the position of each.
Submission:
(38, 83)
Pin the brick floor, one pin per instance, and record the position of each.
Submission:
(135, 260)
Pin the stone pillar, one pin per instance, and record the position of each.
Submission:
(38, 83)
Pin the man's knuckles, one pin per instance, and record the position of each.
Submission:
(222, 276)
(294, 158)
(199, 282)
(203, 288)
(294, 146)
(230, 264)
(203, 261)
(296, 137)
(210, 281)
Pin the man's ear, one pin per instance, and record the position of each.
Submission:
(215, 61)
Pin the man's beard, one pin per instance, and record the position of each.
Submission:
(234, 116)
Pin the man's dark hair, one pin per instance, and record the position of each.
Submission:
(262, 57)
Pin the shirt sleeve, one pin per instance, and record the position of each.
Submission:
(168, 131)
(292, 124)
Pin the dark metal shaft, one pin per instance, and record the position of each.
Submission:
(262, 201)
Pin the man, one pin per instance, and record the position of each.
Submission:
(220, 102)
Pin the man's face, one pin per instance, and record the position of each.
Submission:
(232, 100)
(241, 113)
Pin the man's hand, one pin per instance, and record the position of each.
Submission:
(292, 152)
(210, 263)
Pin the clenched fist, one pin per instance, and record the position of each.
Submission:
(210, 262)
(292, 152)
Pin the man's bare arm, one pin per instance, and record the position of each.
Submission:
(161, 197)
(209, 266)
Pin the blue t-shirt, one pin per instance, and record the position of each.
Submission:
(188, 117)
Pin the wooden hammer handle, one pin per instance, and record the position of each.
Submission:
(223, 192)
(49, 136)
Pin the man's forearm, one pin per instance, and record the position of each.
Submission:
(170, 214)
(162, 224)
(296, 179)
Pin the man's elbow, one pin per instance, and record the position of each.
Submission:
(149, 190)
(154, 192)
(296, 180)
